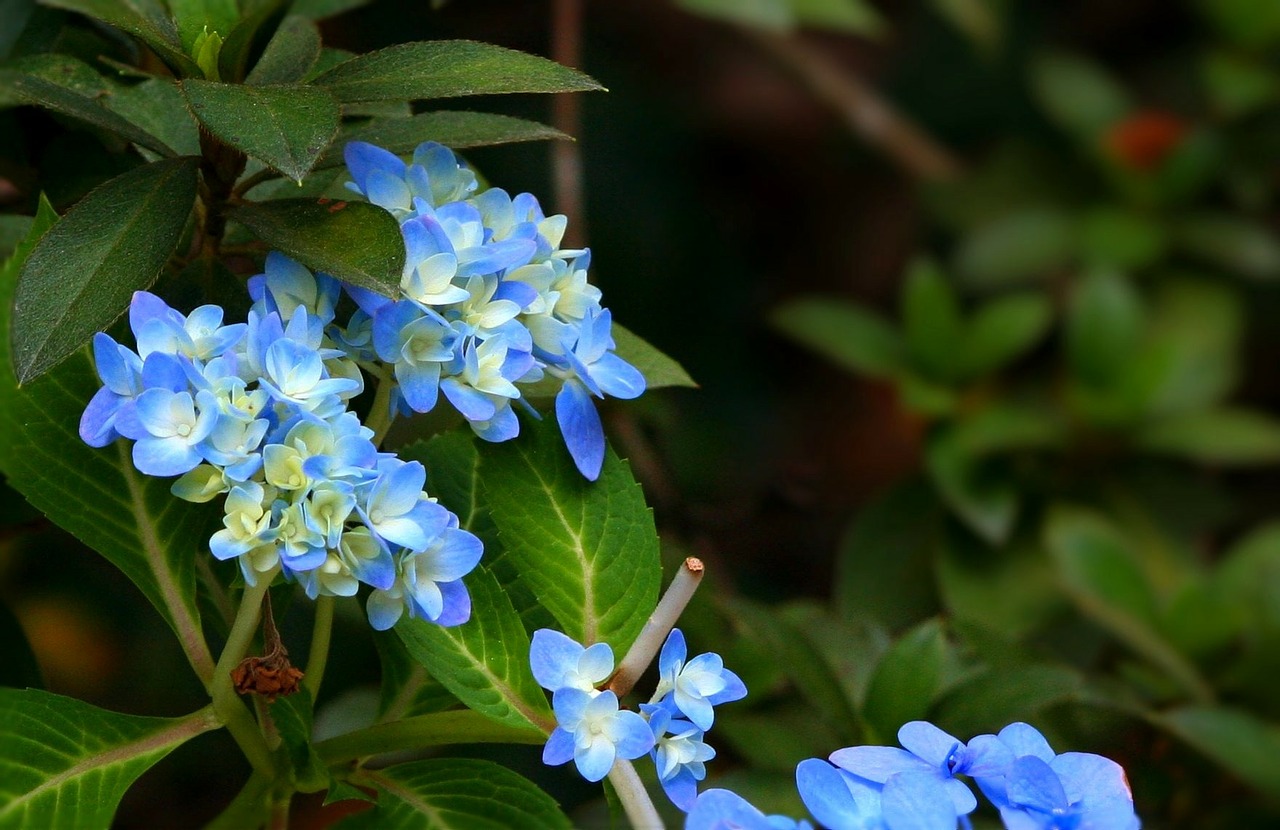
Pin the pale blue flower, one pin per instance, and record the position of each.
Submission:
(559, 662)
(594, 732)
(397, 511)
(286, 285)
(121, 372)
(680, 755)
(174, 428)
(718, 809)
(697, 685)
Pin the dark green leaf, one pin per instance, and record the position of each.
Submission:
(19, 668)
(1117, 238)
(587, 550)
(456, 794)
(906, 680)
(13, 229)
(145, 19)
(883, 554)
(658, 368)
(157, 106)
(194, 17)
(320, 9)
(1196, 327)
(455, 129)
(1078, 94)
(60, 70)
(71, 101)
(1003, 330)
(285, 127)
(290, 54)
(987, 503)
(356, 242)
(233, 59)
(96, 494)
(292, 717)
(979, 20)
(763, 14)
(407, 689)
(1020, 247)
(1216, 436)
(1251, 23)
(447, 69)
(484, 662)
(1235, 739)
(64, 765)
(856, 17)
(1235, 243)
(81, 274)
(931, 321)
(1102, 577)
(1104, 324)
(1003, 695)
(847, 334)
(14, 17)
(1012, 590)
(1238, 85)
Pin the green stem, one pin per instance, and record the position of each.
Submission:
(319, 655)
(634, 797)
(423, 731)
(243, 728)
(379, 419)
(247, 809)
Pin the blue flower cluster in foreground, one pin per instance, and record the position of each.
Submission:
(489, 303)
(916, 787)
(258, 412)
(593, 731)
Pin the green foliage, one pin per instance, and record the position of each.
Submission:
(852, 16)
(286, 127)
(906, 680)
(446, 69)
(456, 793)
(658, 368)
(129, 518)
(1239, 741)
(587, 551)
(290, 54)
(353, 241)
(852, 337)
(456, 129)
(67, 764)
(146, 20)
(81, 274)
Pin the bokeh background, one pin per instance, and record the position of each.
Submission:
(980, 298)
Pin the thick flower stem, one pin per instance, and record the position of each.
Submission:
(318, 657)
(380, 416)
(634, 797)
(659, 625)
(243, 728)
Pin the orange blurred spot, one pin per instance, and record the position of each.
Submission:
(1145, 139)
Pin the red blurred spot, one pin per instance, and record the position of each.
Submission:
(337, 206)
(1144, 140)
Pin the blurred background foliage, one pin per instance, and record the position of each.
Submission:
(980, 297)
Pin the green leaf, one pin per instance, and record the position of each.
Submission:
(66, 764)
(1250, 576)
(883, 554)
(452, 460)
(845, 333)
(1250, 23)
(1012, 590)
(233, 57)
(1234, 243)
(407, 689)
(931, 320)
(455, 129)
(1006, 694)
(979, 20)
(1078, 94)
(285, 127)
(73, 100)
(588, 551)
(905, 682)
(193, 17)
(81, 274)
(1102, 577)
(157, 106)
(13, 229)
(1003, 330)
(447, 69)
(19, 668)
(1196, 327)
(320, 9)
(763, 14)
(484, 662)
(658, 368)
(1235, 739)
(1118, 238)
(146, 20)
(356, 242)
(1020, 247)
(290, 54)
(1103, 327)
(455, 794)
(1239, 437)
(292, 716)
(987, 503)
(799, 658)
(96, 494)
(856, 17)
(1238, 85)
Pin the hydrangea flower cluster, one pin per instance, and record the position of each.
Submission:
(916, 788)
(258, 412)
(489, 304)
(593, 731)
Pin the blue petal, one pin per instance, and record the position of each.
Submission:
(928, 742)
(164, 456)
(384, 610)
(734, 689)
(420, 384)
(457, 604)
(1032, 783)
(828, 794)
(594, 764)
(581, 428)
(682, 789)
(97, 424)
(617, 377)
(632, 737)
(724, 810)
(878, 763)
(559, 748)
(913, 801)
(551, 655)
(671, 658)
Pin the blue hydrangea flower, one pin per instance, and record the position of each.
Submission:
(558, 662)
(593, 732)
(916, 774)
(697, 685)
(679, 754)
(1037, 789)
(718, 809)
(840, 801)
